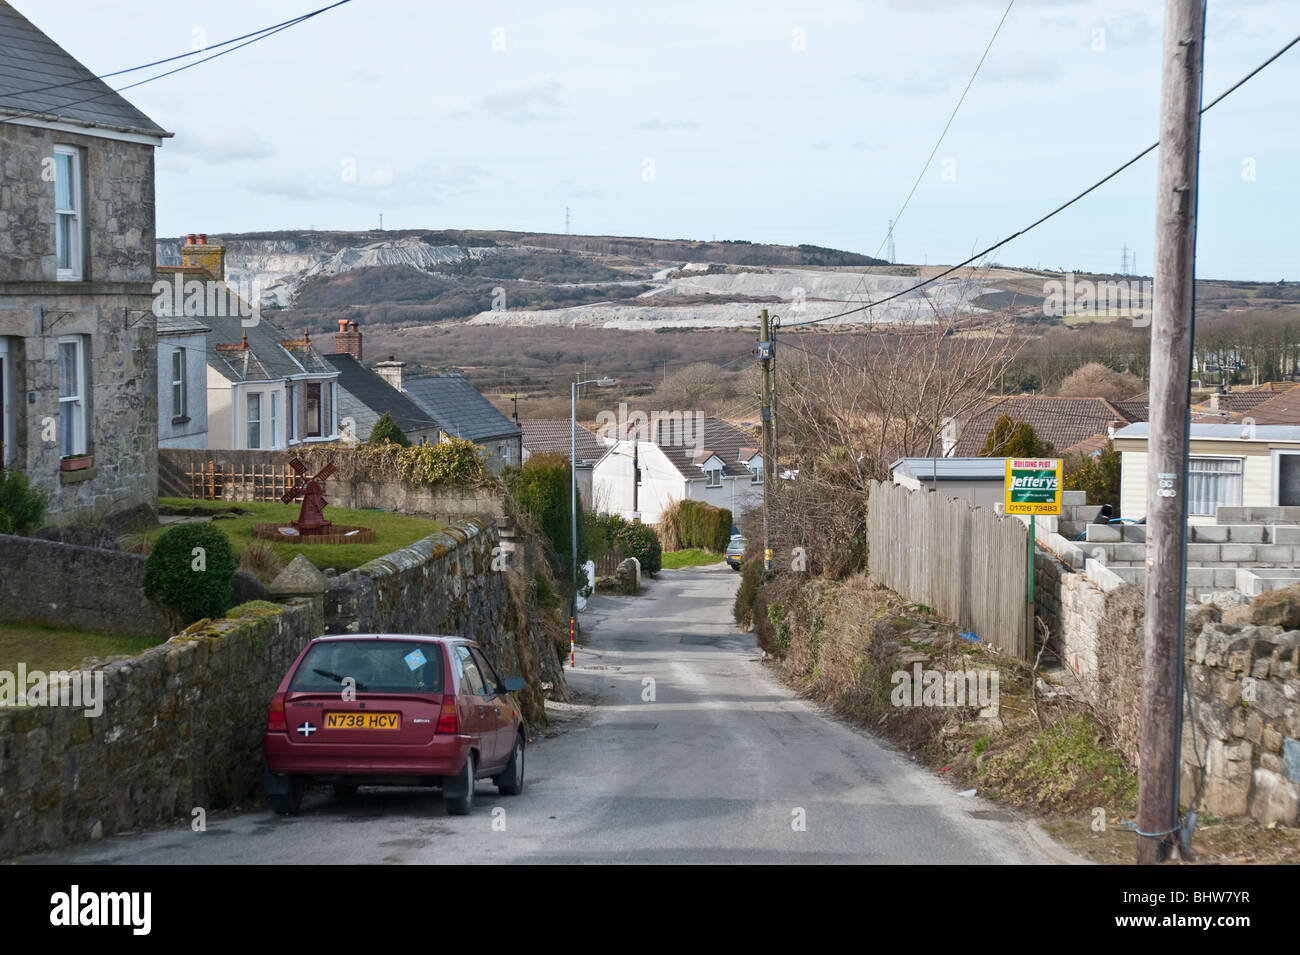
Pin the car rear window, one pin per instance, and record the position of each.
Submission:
(377, 666)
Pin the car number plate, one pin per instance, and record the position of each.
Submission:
(363, 721)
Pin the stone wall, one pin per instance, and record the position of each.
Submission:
(453, 582)
(443, 502)
(66, 585)
(180, 729)
(1241, 735)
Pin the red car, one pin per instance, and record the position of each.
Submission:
(390, 710)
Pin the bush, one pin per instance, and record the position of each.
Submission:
(751, 580)
(543, 489)
(1099, 476)
(386, 431)
(1009, 439)
(689, 523)
(21, 508)
(172, 579)
(261, 561)
(637, 540)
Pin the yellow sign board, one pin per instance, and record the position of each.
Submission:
(1033, 486)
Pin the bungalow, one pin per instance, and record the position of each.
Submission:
(365, 395)
(78, 363)
(1234, 465)
(1068, 423)
(461, 412)
(555, 436)
(722, 466)
(981, 481)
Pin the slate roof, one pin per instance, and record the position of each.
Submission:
(30, 62)
(952, 469)
(458, 407)
(1063, 421)
(543, 435)
(1281, 408)
(365, 396)
(268, 357)
(734, 446)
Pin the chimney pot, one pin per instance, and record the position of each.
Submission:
(189, 239)
(343, 324)
(203, 238)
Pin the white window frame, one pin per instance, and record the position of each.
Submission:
(334, 409)
(74, 440)
(249, 420)
(73, 213)
(1276, 454)
(7, 436)
(709, 481)
(320, 412)
(290, 415)
(1193, 503)
(757, 475)
(275, 419)
(180, 386)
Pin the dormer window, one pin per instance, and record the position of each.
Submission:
(757, 471)
(715, 477)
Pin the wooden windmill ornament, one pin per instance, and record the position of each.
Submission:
(311, 518)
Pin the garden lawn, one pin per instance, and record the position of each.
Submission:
(62, 648)
(690, 557)
(392, 531)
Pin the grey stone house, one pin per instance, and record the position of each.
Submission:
(78, 362)
(182, 382)
(462, 412)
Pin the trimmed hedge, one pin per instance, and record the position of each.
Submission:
(191, 571)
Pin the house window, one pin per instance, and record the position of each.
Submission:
(757, 471)
(334, 404)
(67, 212)
(715, 477)
(290, 418)
(254, 419)
(178, 386)
(72, 395)
(7, 435)
(275, 419)
(1213, 483)
(313, 410)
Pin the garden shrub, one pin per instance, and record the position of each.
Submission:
(21, 508)
(189, 584)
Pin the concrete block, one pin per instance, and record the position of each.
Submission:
(1200, 577)
(1245, 533)
(1209, 533)
(1203, 552)
(1068, 498)
(1237, 553)
(1225, 577)
(1104, 533)
(1136, 533)
(1130, 575)
(1232, 515)
(1274, 553)
(1135, 553)
(1086, 513)
(1284, 534)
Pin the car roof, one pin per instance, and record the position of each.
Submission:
(402, 637)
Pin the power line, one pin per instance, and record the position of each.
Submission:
(1061, 208)
(256, 35)
(953, 115)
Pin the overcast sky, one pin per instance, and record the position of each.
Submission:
(766, 120)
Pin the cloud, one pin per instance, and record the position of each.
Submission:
(217, 149)
(525, 104)
(659, 125)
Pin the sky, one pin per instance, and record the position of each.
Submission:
(765, 120)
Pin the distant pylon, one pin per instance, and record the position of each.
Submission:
(566, 220)
(1123, 261)
(889, 247)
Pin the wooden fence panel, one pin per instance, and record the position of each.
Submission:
(968, 564)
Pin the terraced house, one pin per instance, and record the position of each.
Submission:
(78, 393)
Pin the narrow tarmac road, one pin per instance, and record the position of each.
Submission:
(693, 753)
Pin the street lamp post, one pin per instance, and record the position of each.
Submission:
(603, 382)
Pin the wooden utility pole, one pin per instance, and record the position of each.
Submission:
(1171, 364)
(765, 355)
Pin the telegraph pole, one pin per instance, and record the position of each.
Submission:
(765, 355)
(1171, 359)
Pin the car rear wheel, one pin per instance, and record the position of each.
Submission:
(511, 782)
(287, 803)
(458, 793)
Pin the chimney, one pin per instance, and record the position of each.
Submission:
(391, 371)
(1214, 401)
(347, 340)
(198, 253)
(1112, 428)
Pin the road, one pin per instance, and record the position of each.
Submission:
(724, 764)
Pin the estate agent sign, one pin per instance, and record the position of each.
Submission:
(1033, 486)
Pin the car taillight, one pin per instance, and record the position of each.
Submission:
(447, 722)
(275, 716)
